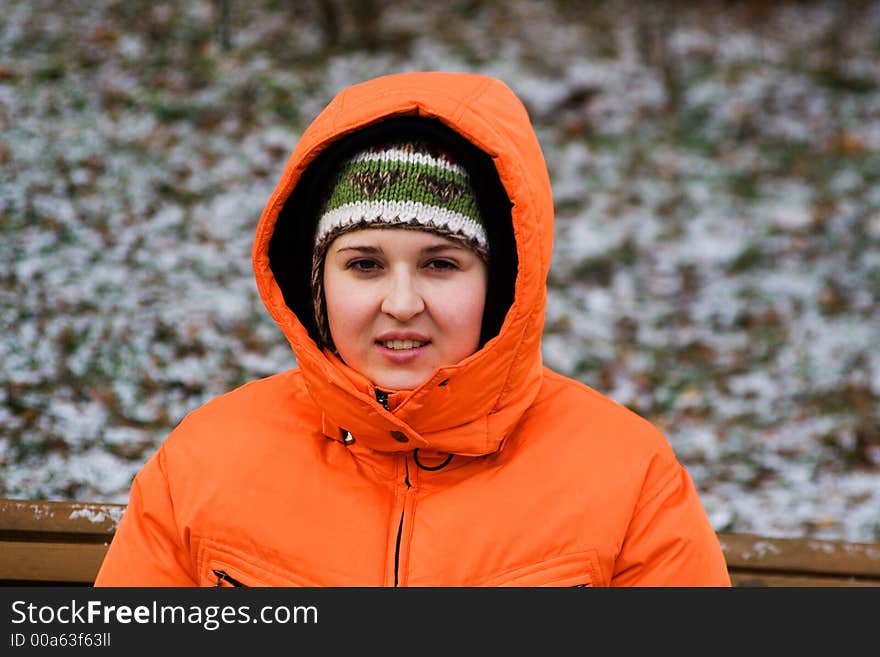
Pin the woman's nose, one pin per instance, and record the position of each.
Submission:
(402, 300)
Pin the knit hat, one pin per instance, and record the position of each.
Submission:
(400, 184)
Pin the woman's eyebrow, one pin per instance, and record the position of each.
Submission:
(376, 250)
(443, 247)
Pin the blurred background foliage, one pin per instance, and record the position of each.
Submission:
(717, 263)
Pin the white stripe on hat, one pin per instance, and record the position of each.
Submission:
(409, 157)
(400, 212)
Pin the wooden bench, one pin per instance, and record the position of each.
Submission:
(765, 561)
(54, 543)
(63, 543)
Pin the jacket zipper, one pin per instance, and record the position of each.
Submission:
(382, 398)
(223, 576)
(400, 526)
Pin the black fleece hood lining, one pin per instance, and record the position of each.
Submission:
(292, 242)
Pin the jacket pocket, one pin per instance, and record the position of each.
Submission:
(577, 569)
(222, 566)
(226, 576)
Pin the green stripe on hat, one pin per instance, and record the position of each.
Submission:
(403, 182)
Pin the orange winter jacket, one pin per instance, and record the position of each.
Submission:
(549, 482)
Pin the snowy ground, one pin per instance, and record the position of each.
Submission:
(716, 173)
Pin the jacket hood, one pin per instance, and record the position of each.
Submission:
(470, 407)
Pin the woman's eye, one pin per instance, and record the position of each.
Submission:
(363, 265)
(442, 265)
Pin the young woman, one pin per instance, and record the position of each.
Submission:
(420, 442)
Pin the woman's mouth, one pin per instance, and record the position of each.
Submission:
(401, 345)
(402, 352)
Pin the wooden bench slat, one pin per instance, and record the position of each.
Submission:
(89, 519)
(750, 552)
(50, 562)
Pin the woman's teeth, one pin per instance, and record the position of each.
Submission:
(402, 344)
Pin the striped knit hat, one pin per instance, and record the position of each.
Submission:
(400, 184)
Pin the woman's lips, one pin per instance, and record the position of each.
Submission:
(401, 356)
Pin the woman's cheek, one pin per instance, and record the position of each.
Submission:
(349, 303)
(461, 309)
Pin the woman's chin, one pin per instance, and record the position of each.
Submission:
(396, 381)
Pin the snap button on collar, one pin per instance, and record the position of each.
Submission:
(399, 436)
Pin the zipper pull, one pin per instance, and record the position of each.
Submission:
(223, 576)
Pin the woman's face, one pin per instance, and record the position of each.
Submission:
(401, 303)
